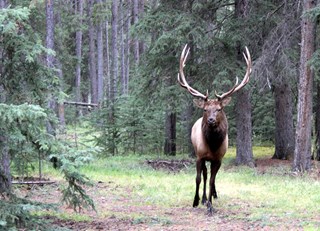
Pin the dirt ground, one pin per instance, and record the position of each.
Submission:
(117, 212)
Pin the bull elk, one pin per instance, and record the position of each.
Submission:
(209, 135)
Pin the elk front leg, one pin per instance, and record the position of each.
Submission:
(198, 181)
(215, 165)
(204, 173)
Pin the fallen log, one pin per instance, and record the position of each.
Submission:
(33, 182)
(81, 104)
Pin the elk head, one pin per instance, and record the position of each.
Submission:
(212, 108)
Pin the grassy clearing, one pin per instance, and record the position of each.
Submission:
(268, 198)
(271, 198)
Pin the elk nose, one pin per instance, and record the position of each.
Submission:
(211, 121)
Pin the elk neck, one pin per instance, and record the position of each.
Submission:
(215, 135)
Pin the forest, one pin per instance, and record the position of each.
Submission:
(85, 83)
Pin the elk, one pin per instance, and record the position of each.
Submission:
(209, 134)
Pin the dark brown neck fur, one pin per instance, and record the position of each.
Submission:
(215, 135)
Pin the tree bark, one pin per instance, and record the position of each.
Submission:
(100, 57)
(317, 124)
(51, 104)
(127, 46)
(302, 152)
(107, 60)
(136, 54)
(284, 131)
(3, 4)
(5, 173)
(170, 134)
(114, 48)
(92, 54)
(79, 12)
(122, 49)
(244, 155)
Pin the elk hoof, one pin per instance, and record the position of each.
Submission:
(204, 201)
(210, 209)
(196, 201)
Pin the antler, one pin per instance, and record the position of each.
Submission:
(182, 80)
(245, 80)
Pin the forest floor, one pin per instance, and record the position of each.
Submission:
(118, 209)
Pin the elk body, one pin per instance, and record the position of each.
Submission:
(209, 134)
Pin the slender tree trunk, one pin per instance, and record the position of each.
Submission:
(189, 123)
(170, 134)
(122, 50)
(61, 113)
(100, 57)
(92, 54)
(284, 134)
(107, 61)
(5, 172)
(127, 46)
(316, 152)
(50, 58)
(3, 4)
(244, 153)
(302, 152)
(136, 41)
(114, 47)
(140, 16)
(317, 124)
(79, 12)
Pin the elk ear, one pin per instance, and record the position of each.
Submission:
(199, 103)
(226, 101)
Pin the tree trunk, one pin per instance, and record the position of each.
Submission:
(92, 53)
(244, 154)
(50, 58)
(61, 113)
(107, 61)
(100, 57)
(79, 12)
(189, 123)
(136, 54)
(243, 105)
(170, 134)
(127, 47)
(140, 16)
(5, 173)
(284, 134)
(317, 124)
(302, 152)
(122, 49)
(114, 48)
(3, 4)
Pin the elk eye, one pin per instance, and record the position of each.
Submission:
(204, 110)
(219, 109)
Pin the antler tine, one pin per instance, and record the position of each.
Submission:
(245, 80)
(182, 81)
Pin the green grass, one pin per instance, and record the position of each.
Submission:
(271, 198)
(262, 196)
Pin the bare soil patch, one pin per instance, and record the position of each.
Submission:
(170, 165)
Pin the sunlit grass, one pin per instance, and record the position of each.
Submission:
(247, 194)
(262, 196)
